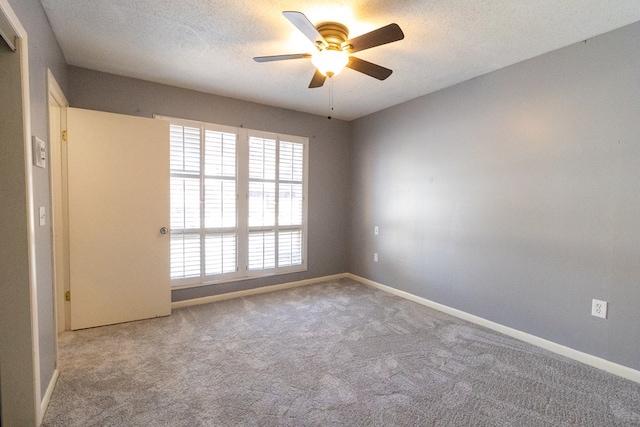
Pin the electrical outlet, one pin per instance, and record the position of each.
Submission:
(599, 308)
(375, 257)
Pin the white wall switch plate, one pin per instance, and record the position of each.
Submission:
(375, 257)
(43, 216)
(375, 230)
(39, 152)
(599, 308)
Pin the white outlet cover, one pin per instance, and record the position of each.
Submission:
(375, 257)
(599, 308)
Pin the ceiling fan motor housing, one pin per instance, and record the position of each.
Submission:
(335, 34)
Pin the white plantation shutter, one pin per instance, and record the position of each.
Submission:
(219, 203)
(186, 211)
(185, 255)
(262, 203)
(203, 202)
(220, 153)
(185, 149)
(276, 203)
(291, 200)
(238, 203)
(289, 248)
(291, 161)
(184, 145)
(220, 195)
(262, 182)
(262, 250)
(262, 158)
(220, 250)
(291, 204)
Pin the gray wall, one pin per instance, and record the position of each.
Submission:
(328, 157)
(514, 196)
(44, 53)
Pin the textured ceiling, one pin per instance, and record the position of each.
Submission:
(208, 45)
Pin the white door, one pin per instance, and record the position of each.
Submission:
(118, 188)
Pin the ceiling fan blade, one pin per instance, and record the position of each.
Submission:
(317, 80)
(368, 68)
(281, 57)
(303, 24)
(384, 35)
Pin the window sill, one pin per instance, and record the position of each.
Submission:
(237, 279)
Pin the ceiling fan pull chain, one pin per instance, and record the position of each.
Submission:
(330, 98)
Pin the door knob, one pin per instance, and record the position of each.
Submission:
(164, 230)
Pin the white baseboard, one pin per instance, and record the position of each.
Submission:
(261, 290)
(44, 404)
(596, 362)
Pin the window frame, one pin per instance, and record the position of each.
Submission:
(304, 225)
(242, 228)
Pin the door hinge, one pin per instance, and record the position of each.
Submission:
(67, 296)
(64, 135)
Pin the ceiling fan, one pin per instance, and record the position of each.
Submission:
(335, 49)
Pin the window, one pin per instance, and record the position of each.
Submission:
(276, 203)
(238, 203)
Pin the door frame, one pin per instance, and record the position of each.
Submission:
(21, 348)
(59, 207)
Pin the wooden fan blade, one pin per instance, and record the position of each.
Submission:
(281, 57)
(368, 68)
(384, 35)
(317, 80)
(303, 24)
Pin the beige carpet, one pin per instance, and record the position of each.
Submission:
(337, 353)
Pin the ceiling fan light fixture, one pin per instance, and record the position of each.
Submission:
(334, 48)
(330, 61)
